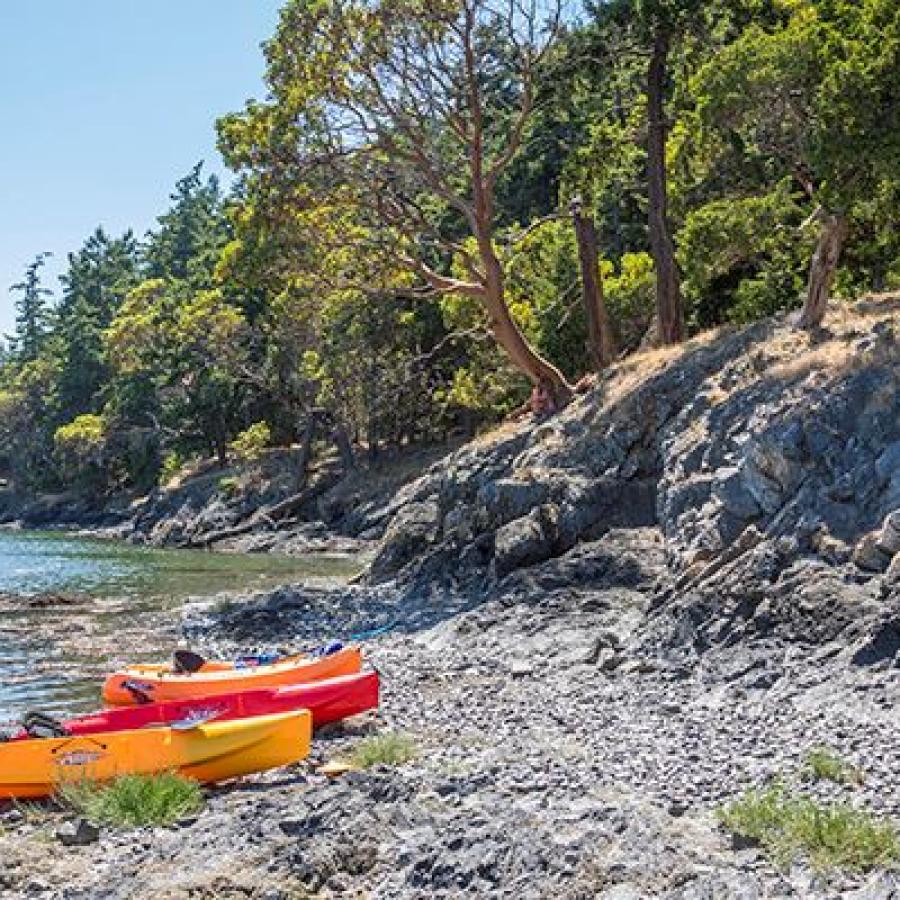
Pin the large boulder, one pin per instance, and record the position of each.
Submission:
(412, 531)
(530, 539)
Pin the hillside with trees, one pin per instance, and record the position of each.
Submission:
(441, 213)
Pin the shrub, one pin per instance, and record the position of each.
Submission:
(83, 436)
(824, 765)
(134, 800)
(80, 446)
(630, 297)
(171, 466)
(831, 836)
(250, 443)
(743, 257)
(228, 485)
(391, 749)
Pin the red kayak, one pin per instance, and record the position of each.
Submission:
(328, 701)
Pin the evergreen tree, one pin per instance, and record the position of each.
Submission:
(191, 233)
(99, 277)
(32, 312)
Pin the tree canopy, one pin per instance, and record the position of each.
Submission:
(443, 211)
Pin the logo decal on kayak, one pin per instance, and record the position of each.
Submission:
(130, 685)
(198, 715)
(204, 712)
(79, 758)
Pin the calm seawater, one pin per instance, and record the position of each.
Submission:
(52, 658)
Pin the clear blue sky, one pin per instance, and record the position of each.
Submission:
(104, 105)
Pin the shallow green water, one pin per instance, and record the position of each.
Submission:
(32, 562)
(52, 658)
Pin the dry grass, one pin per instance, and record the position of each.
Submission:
(389, 749)
(505, 429)
(835, 357)
(876, 304)
(635, 370)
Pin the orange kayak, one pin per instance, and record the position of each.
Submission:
(214, 751)
(160, 684)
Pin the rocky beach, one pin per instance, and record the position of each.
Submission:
(598, 628)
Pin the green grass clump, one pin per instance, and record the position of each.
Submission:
(229, 486)
(391, 749)
(134, 800)
(833, 836)
(824, 765)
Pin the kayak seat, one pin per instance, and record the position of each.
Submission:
(186, 662)
(40, 725)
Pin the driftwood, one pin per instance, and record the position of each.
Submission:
(267, 517)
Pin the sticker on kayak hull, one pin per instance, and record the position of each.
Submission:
(197, 716)
(79, 758)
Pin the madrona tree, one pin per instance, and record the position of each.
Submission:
(818, 95)
(408, 114)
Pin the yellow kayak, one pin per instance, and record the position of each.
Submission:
(211, 751)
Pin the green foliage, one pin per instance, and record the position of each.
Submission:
(80, 447)
(229, 485)
(390, 749)
(630, 297)
(187, 349)
(743, 257)
(545, 294)
(192, 234)
(805, 98)
(27, 422)
(83, 437)
(250, 444)
(33, 316)
(171, 467)
(833, 836)
(99, 276)
(133, 801)
(824, 765)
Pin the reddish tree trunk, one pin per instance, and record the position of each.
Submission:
(601, 346)
(823, 268)
(508, 335)
(669, 307)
